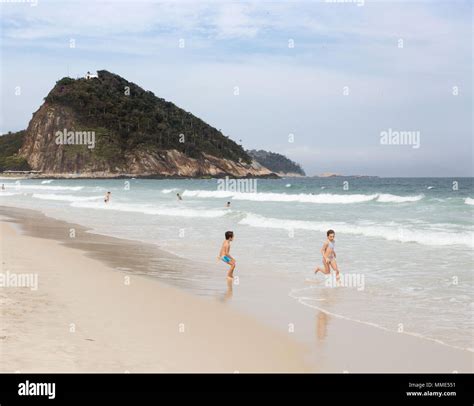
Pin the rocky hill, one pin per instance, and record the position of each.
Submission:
(277, 163)
(110, 127)
(9, 145)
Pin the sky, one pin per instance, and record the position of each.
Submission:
(322, 82)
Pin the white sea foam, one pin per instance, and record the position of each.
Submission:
(469, 201)
(154, 210)
(45, 182)
(167, 191)
(4, 194)
(322, 198)
(391, 233)
(66, 198)
(388, 198)
(20, 186)
(219, 194)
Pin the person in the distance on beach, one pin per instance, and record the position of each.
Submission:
(224, 254)
(329, 255)
(3, 186)
(227, 204)
(107, 197)
(179, 196)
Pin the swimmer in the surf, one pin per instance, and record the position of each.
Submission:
(107, 197)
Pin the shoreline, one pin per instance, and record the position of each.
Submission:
(87, 316)
(131, 176)
(323, 343)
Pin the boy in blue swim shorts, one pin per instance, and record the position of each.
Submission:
(225, 256)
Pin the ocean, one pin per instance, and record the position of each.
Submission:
(404, 245)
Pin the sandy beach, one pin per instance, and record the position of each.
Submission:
(95, 309)
(85, 316)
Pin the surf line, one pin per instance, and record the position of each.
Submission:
(301, 299)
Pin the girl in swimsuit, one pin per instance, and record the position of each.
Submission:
(329, 255)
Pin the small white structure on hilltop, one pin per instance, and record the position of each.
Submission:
(91, 75)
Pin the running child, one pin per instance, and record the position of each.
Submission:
(329, 255)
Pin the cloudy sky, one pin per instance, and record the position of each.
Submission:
(333, 75)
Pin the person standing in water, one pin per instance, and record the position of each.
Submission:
(227, 204)
(329, 255)
(224, 254)
(179, 196)
(3, 186)
(107, 197)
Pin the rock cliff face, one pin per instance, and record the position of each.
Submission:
(44, 154)
(110, 146)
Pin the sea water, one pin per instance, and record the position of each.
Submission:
(404, 245)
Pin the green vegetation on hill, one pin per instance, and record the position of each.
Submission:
(9, 145)
(276, 162)
(131, 118)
